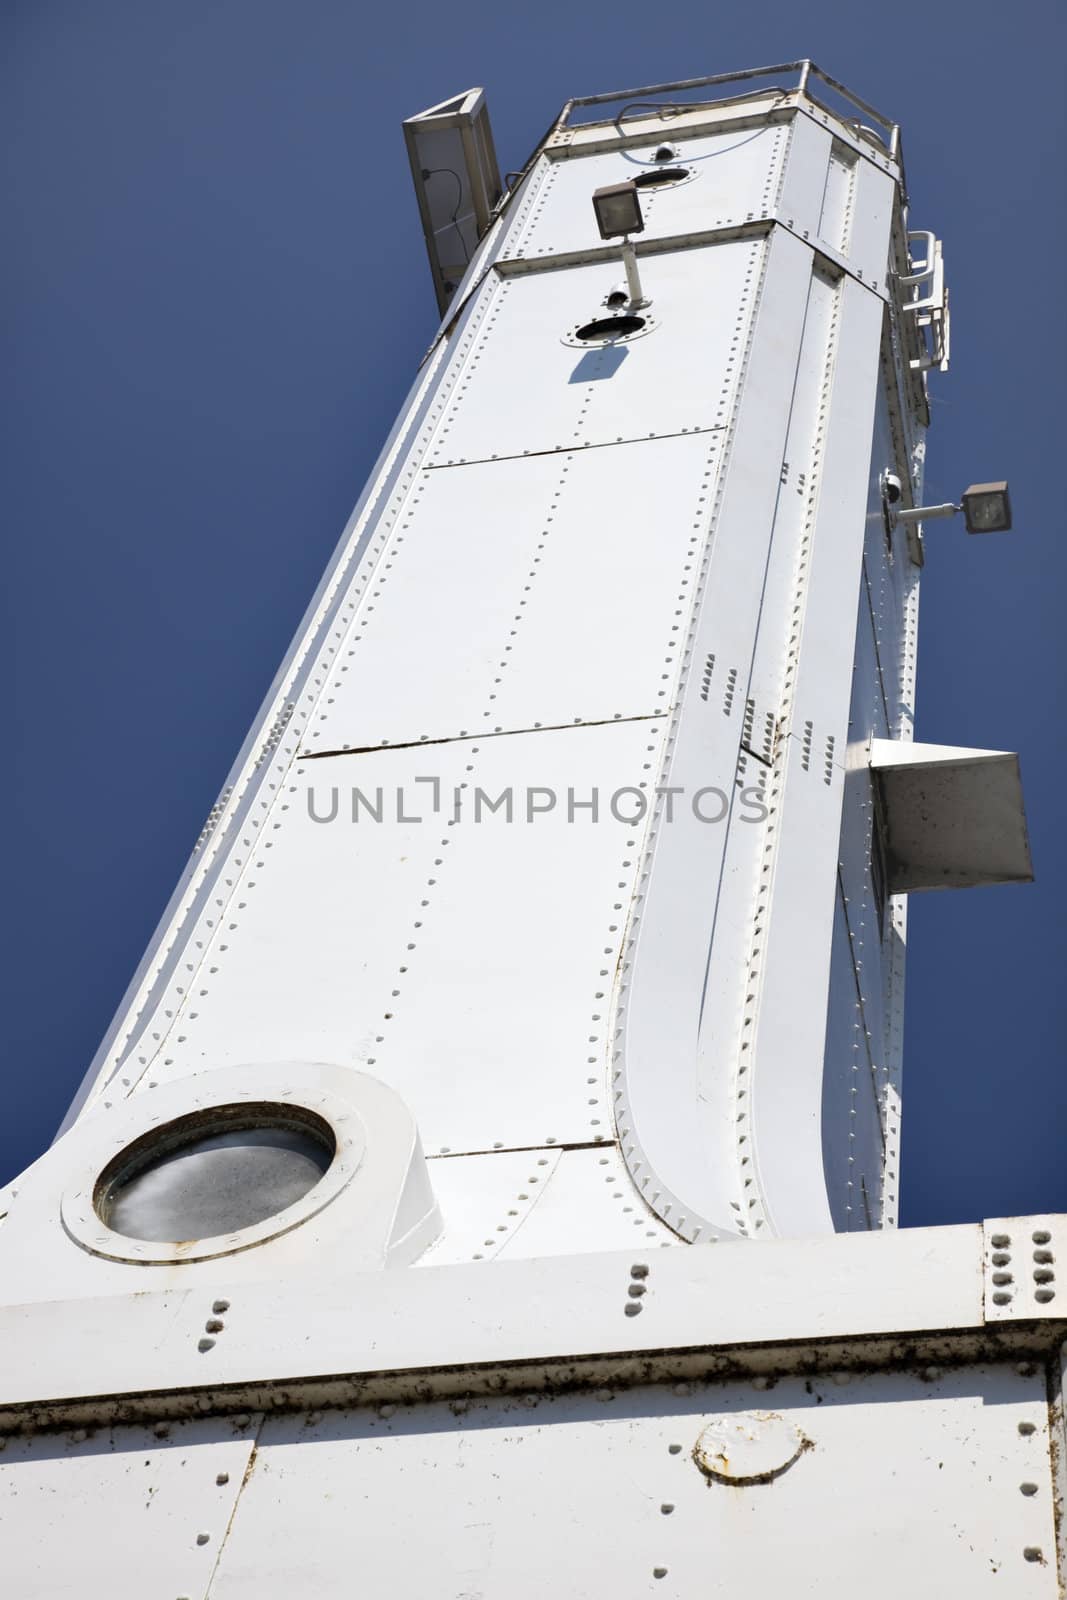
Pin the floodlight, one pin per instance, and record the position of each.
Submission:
(986, 508)
(618, 214)
(618, 210)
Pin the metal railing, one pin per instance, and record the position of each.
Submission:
(805, 73)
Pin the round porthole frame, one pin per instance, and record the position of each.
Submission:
(130, 1129)
(609, 341)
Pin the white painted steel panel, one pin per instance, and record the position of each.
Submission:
(804, 178)
(524, 390)
(589, 1204)
(789, 1033)
(297, 956)
(484, 1199)
(835, 217)
(531, 592)
(414, 948)
(509, 1517)
(853, 1146)
(887, 569)
(678, 1142)
(708, 1298)
(543, 1202)
(773, 717)
(736, 178)
(871, 223)
(314, 953)
(124, 1512)
(865, 992)
(502, 1011)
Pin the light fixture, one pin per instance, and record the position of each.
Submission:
(618, 214)
(986, 507)
(618, 210)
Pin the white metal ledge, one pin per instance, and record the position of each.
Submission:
(952, 818)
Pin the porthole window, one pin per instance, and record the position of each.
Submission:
(214, 1172)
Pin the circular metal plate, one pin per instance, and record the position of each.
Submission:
(749, 1447)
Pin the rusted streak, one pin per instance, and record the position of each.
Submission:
(1057, 1433)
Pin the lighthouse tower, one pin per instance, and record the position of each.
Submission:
(488, 1186)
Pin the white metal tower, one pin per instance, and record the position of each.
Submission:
(477, 1143)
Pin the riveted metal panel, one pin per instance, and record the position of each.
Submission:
(800, 203)
(870, 224)
(652, 1509)
(539, 1202)
(789, 1031)
(120, 1511)
(467, 1043)
(485, 1199)
(773, 721)
(590, 1204)
(587, 558)
(853, 1148)
(679, 1143)
(411, 945)
(734, 178)
(835, 217)
(524, 390)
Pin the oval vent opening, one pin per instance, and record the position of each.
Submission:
(610, 327)
(658, 176)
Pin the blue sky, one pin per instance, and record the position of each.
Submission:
(216, 294)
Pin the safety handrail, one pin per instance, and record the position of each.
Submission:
(805, 70)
